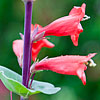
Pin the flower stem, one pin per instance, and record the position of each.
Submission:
(30, 55)
(27, 31)
(24, 98)
(11, 95)
(26, 51)
(32, 80)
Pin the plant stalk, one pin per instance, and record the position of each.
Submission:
(30, 62)
(32, 80)
(26, 50)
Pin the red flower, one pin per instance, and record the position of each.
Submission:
(18, 48)
(68, 25)
(36, 47)
(69, 65)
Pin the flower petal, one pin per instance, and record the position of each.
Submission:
(74, 39)
(67, 25)
(36, 47)
(48, 44)
(32, 27)
(78, 11)
(18, 47)
(71, 59)
(87, 58)
(81, 74)
(69, 65)
(63, 68)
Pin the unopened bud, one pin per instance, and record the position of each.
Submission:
(39, 36)
(33, 34)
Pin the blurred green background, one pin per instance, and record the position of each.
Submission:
(44, 12)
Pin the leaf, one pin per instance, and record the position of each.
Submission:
(12, 81)
(45, 87)
(16, 86)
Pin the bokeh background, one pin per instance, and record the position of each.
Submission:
(44, 12)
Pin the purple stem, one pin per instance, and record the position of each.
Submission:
(33, 36)
(26, 51)
(30, 62)
(32, 80)
(23, 98)
(27, 31)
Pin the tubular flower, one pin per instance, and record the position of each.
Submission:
(68, 25)
(18, 50)
(69, 65)
(18, 47)
(36, 47)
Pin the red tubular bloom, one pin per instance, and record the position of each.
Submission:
(36, 47)
(18, 48)
(69, 65)
(68, 25)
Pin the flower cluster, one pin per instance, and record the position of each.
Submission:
(65, 26)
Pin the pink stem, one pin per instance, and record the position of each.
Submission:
(11, 95)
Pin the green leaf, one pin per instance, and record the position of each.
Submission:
(45, 87)
(12, 81)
